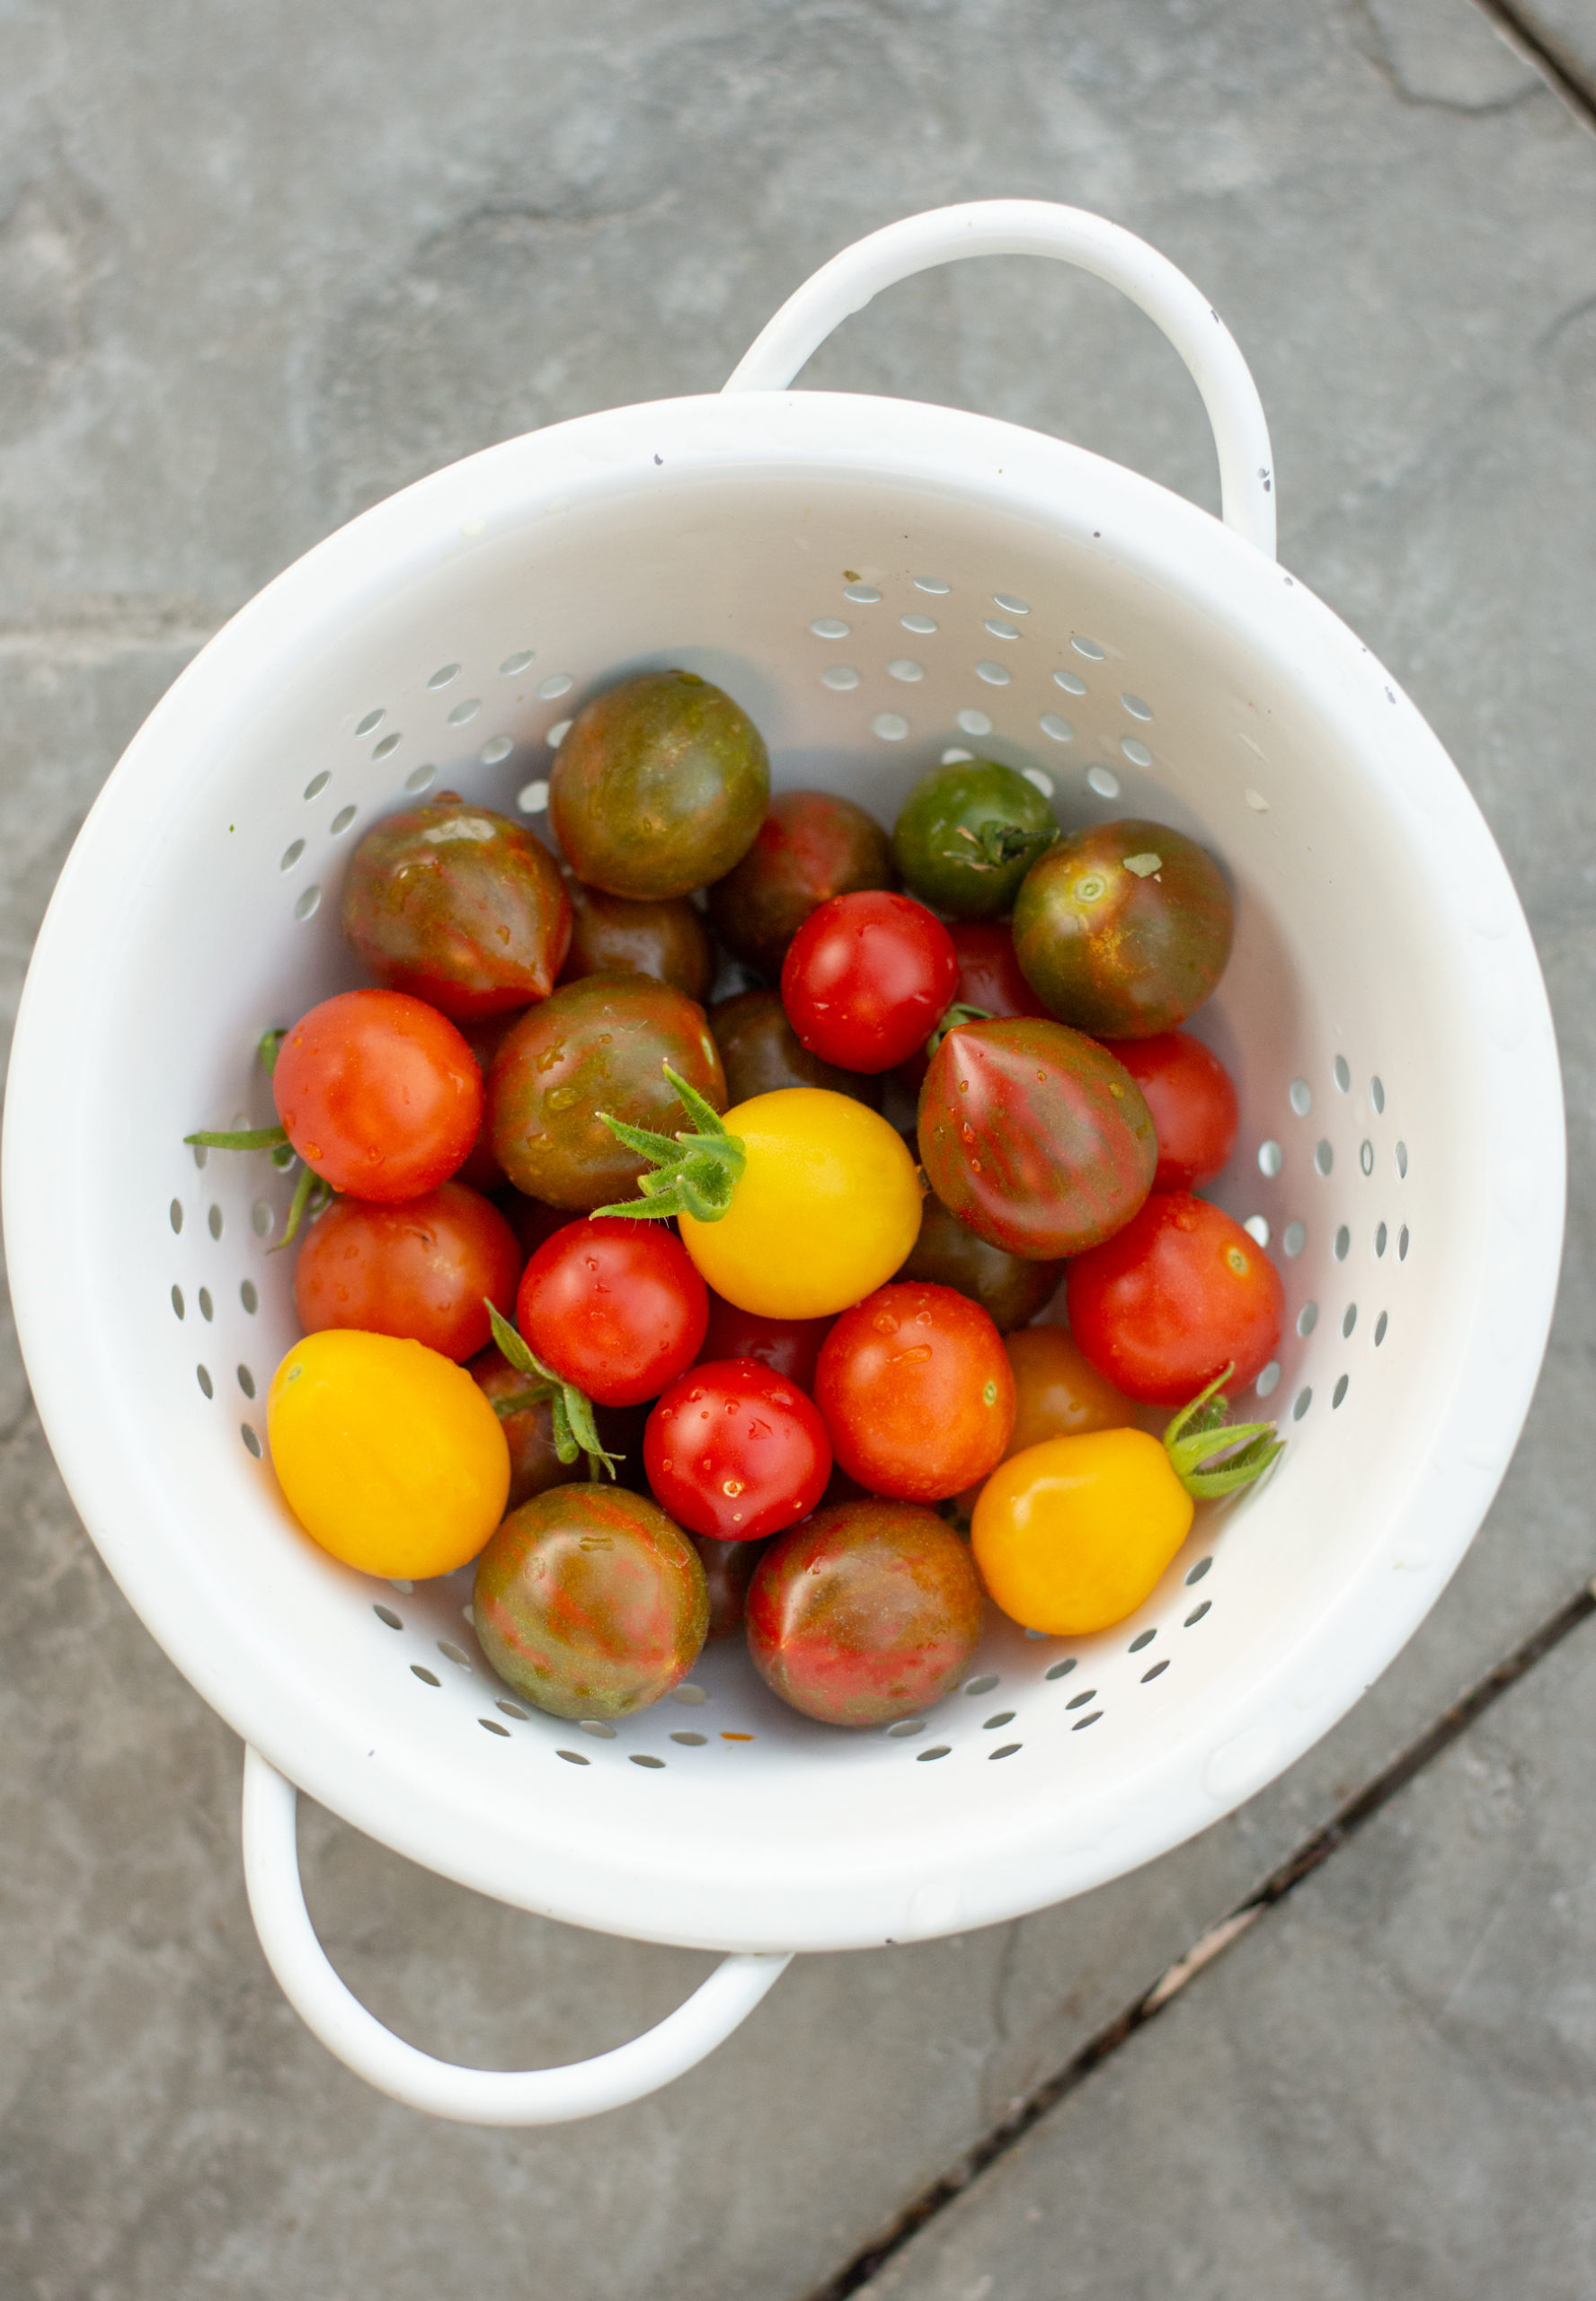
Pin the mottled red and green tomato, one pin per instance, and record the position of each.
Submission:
(812, 845)
(659, 787)
(789, 1346)
(378, 1094)
(917, 1392)
(1124, 928)
(424, 1269)
(728, 1569)
(457, 905)
(529, 1433)
(1179, 1294)
(1034, 1136)
(968, 833)
(866, 980)
(1191, 1098)
(617, 935)
(949, 1253)
(760, 1051)
(615, 1307)
(867, 1612)
(600, 1045)
(736, 1451)
(590, 1603)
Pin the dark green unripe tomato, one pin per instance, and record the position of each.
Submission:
(760, 1052)
(1124, 931)
(590, 1602)
(458, 906)
(812, 845)
(949, 1253)
(615, 934)
(600, 1045)
(967, 836)
(659, 787)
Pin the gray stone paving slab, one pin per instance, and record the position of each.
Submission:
(1385, 2092)
(1567, 28)
(257, 267)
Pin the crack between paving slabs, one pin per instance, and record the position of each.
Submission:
(1562, 72)
(1283, 1881)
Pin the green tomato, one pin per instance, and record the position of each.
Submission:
(968, 834)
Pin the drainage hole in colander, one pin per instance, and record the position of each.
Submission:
(387, 747)
(726, 1736)
(448, 671)
(1341, 1072)
(387, 1614)
(418, 777)
(465, 710)
(922, 625)
(1379, 1329)
(453, 1654)
(571, 1757)
(512, 1710)
(841, 678)
(533, 797)
(1293, 1238)
(251, 1439)
(1343, 1245)
(261, 1218)
(832, 627)
(1377, 1095)
(904, 668)
(1349, 1320)
(1256, 1227)
(1081, 1700)
(1402, 1161)
(1042, 782)
(1300, 1404)
(1271, 1157)
(1136, 753)
(1103, 781)
(981, 1686)
(1366, 1157)
(1198, 1571)
(891, 726)
(318, 785)
(177, 1301)
(998, 1717)
(291, 854)
(1072, 686)
(1197, 1613)
(690, 1695)
(496, 748)
(1060, 1669)
(1267, 1378)
(690, 1741)
(641, 1757)
(1089, 649)
(1301, 1097)
(999, 629)
(306, 906)
(202, 1376)
(905, 1726)
(1137, 1644)
(515, 662)
(1156, 1671)
(1007, 1751)
(201, 1154)
(428, 1677)
(1324, 1155)
(1040, 1634)
(1379, 1240)
(1401, 1244)
(492, 1726)
(246, 1381)
(248, 1296)
(342, 820)
(863, 595)
(1307, 1318)
(955, 753)
(1010, 604)
(373, 719)
(598, 1728)
(972, 722)
(1090, 1719)
(932, 583)
(1135, 707)
(1340, 1391)
(1059, 729)
(213, 1222)
(924, 1757)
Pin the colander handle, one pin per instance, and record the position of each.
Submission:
(1040, 227)
(580, 2089)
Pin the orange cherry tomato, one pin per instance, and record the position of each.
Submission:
(916, 1391)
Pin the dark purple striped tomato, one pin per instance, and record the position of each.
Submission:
(1035, 1136)
(1123, 929)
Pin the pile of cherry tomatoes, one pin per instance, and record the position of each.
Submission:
(679, 1321)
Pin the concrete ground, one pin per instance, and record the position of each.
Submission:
(260, 265)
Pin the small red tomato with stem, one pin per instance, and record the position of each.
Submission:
(378, 1094)
(1173, 1300)
(1191, 1098)
(789, 1346)
(736, 1451)
(867, 978)
(616, 1308)
(916, 1391)
(425, 1270)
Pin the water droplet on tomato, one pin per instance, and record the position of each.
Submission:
(967, 1132)
(732, 1486)
(915, 1355)
(885, 1322)
(562, 1099)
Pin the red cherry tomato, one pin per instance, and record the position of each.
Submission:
(989, 971)
(734, 1450)
(1172, 1298)
(1188, 1090)
(917, 1390)
(379, 1094)
(615, 1307)
(788, 1347)
(423, 1270)
(867, 978)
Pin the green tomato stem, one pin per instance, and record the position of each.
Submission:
(268, 1049)
(695, 1172)
(1210, 1454)
(958, 1012)
(245, 1138)
(996, 846)
(570, 1411)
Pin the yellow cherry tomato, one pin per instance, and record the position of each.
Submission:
(1071, 1535)
(1057, 1394)
(825, 1211)
(388, 1454)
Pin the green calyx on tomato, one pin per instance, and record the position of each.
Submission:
(1210, 1454)
(956, 1014)
(967, 835)
(571, 1410)
(695, 1173)
(313, 1194)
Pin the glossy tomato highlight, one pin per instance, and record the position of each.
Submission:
(917, 1390)
(1180, 1293)
(615, 1307)
(378, 1093)
(735, 1451)
(867, 978)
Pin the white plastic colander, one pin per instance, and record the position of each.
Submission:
(876, 582)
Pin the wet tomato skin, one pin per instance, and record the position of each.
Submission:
(379, 1094)
(789, 1346)
(1192, 1101)
(423, 1269)
(812, 845)
(614, 1306)
(458, 905)
(866, 1612)
(867, 978)
(1010, 1289)
(1122, 929)
(917, 1392)
(484, 1035)
(1181, 1292)
(618, 935)
(1034, 1135)
(735, 1451)
(590, 1603)
(760, 1052)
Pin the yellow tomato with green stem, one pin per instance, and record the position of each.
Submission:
(793, 1206)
